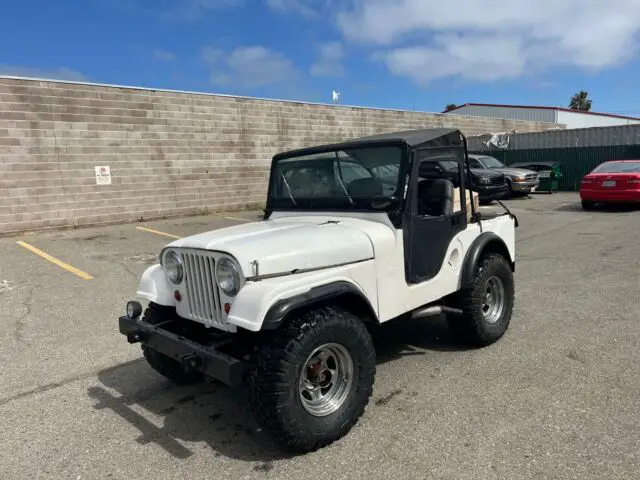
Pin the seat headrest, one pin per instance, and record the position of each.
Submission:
(440, 186)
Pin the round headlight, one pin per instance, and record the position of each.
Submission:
(134, 309)
(173, 266)
(228, 276)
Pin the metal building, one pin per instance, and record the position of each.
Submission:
(561, 116)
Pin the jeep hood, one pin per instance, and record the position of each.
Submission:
(285, 246)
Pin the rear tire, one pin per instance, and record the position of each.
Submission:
(486, 302)
(166, 366)
(588, 204)
(308, 400)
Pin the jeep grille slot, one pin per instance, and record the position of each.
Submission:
(202, 290)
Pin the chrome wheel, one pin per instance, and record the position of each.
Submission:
(493, 300)
(326, 379)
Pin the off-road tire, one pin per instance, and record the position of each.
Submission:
(471, 327)
(588, 204)
(166, 366)
(275, 370)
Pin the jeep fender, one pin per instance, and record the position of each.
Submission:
(484, 243)
(155, 287)
(265, 305)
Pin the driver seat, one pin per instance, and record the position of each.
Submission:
(435, 197)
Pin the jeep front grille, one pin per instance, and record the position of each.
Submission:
(531, 177)
(202, 290)
(497, 180)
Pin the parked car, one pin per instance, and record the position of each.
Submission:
(549, 173)
(615, 181)
(519, 180)
(489, 184)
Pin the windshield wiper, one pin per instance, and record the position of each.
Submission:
(341, 182)
(286, 184)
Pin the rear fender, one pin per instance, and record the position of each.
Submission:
(486, 242)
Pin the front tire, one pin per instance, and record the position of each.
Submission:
(510, 192)
(486, 302)
(311, 380)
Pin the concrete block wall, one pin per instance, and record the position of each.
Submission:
(170, 153)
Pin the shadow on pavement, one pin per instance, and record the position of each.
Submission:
(599, 208)
(404, 337)
(217, 415)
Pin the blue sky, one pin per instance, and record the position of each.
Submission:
(406, 54)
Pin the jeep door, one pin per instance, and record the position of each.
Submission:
(431, 221)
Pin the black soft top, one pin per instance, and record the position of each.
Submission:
(412, 138)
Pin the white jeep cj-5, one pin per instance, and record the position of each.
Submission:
(354, 234)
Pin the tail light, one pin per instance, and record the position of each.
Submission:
(586, 181)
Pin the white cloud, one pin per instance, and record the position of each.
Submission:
(192, 10)
(61, 73)
(300, 7)
(164, 55)
(329, 62)
(500, 39)
(211, 55)
(250, 67)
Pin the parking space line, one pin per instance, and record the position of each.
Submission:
(238, 219)
(55, 261)
(157, 232)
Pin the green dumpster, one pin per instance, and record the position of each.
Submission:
(549, 173)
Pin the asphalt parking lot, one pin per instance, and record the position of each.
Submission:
(557, 397)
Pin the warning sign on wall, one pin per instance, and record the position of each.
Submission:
(103, 175)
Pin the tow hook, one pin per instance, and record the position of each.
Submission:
(191, 362)
(134, 336)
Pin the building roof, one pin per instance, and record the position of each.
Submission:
(533, 107)
(413, 138)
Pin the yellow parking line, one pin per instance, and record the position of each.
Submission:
(239, 219)
(55, 261)
(157, 232)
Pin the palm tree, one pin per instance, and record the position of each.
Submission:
(450, 107)
(580, 101)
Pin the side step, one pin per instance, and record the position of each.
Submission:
(435, 310)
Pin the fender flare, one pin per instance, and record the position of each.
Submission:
(281, 308)
(487, 241)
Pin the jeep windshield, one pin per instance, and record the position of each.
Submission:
(361, 178)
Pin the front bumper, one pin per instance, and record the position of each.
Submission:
(524, 186)
(618, 196)
(190, 354)
(491, 192)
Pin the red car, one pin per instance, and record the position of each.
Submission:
(616, 181)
